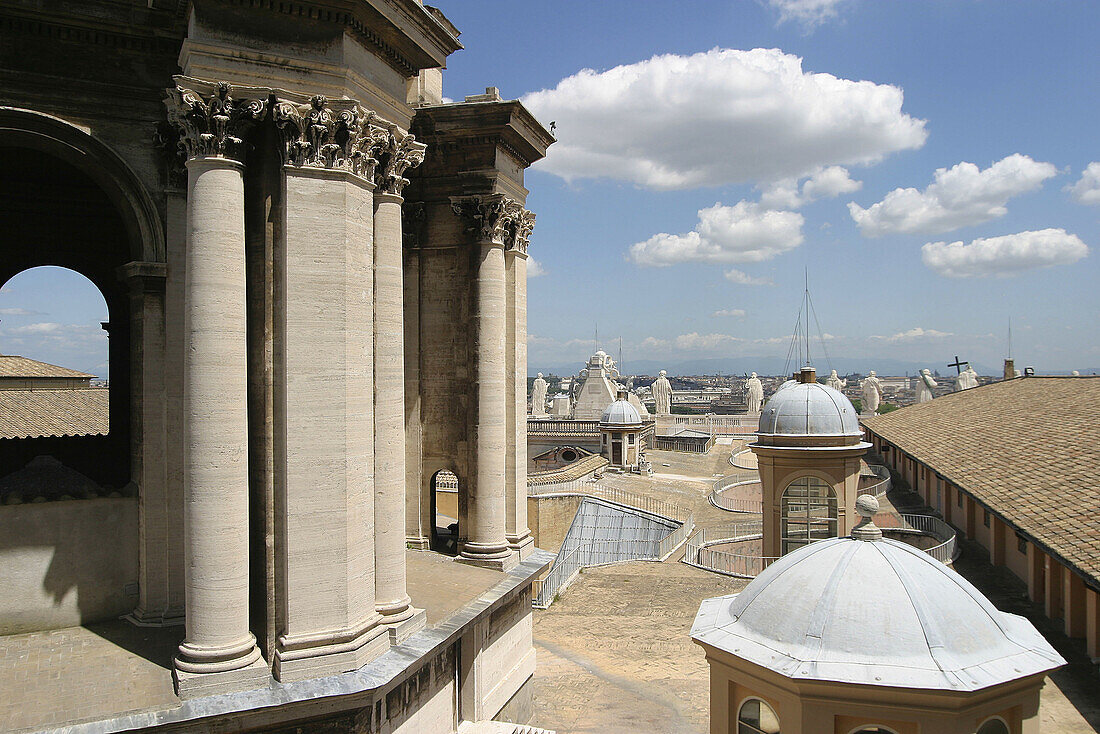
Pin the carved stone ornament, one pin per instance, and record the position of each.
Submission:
(213, 124)
(324, 135)
(496, 218)
(396, 152)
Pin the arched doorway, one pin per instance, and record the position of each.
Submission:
(444, 512)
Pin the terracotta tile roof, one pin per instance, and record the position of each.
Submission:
(1028, 449)
(34, 413)
(15, 366)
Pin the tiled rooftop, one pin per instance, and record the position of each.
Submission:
(1029, 449)
(15, 366)
(34, 413)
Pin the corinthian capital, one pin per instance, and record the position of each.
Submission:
(395, 152)
(324, 135)
(212, 122)
(495, 218)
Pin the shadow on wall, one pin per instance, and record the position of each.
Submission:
(67, 563)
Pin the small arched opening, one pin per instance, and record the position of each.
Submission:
(444, 512)
(757, 717)
(808, 513)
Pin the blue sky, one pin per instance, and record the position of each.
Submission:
(679, 182)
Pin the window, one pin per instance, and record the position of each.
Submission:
(1021, 543)
(757, 717)
(617, 436)
(807, 513)
(630, 439)
(958, 498)
(993, 726)
(985, 518)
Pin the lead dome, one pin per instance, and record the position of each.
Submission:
(875, 613)
(809, 409)
(621, 413)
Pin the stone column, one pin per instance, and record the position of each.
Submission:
(516, 530)
(219, 652)
(486, 542)
(395, 152)
(417, 505)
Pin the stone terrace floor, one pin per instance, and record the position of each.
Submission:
(104, 670)
(614, 651)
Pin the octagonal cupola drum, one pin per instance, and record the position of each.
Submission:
(621, 429)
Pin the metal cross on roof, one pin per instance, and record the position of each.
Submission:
(958, 365)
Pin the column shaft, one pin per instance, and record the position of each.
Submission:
(486, 535)
(516, 530)
(215, 424)
(391, 597)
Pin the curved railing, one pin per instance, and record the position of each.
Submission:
(884, 484)
(699, 553)
(734, 462)
(615, 494)
(718, 498)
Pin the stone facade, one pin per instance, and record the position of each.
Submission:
(313, 310)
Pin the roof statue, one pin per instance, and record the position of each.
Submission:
(835, 382)
(754, 394)
(662, 394)
(538, 396)
(870, 391)
(966, 379)
(925, 383)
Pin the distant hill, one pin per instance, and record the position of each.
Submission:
(763, 366)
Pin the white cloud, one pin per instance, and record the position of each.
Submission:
(1087, 188)
(718, 117)
(534, 268)
(48, 327)
(914, 335)
(959, 196)
(652, 342)
(18, 312)
(744, 232)
(809, 13)
(735, 313)
(703, 341)
(739, 277)
(1005, 255)
(823, 184)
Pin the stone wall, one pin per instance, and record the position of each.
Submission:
(550, 517)
(67, 563)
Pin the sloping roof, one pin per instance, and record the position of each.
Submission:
(15, 366)
(35, 413)
(1028, 449)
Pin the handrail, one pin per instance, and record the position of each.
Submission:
(735, 504)
(615, 494)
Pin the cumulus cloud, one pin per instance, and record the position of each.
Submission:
(734, 313)
(744, 232)
(809, 13)
(823, 184)
(959, 196)
(718, 117)
(1005, 255)
(1087, 188)
(703, 341)
(652, 342)
(739, 277)
(534, 268)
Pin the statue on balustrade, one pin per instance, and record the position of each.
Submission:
(538, 396)
(754, 394)
(871, 392)
(662, 394)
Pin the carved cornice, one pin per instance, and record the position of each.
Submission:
(212, 123)
(396, 152)
(323, 135)
(495, 218)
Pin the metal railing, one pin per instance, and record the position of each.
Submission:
(719, 499)
(698, 551)
(734, 459)
(884, 484)
(615, 494)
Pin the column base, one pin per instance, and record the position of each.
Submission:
(199, 685)
(418, 543)
(523, 546)
(170, 617)
(403, 629)
(328, 653)
(505, 562)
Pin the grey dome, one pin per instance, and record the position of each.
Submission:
(621, 413)
(877, 613)
(809, 409)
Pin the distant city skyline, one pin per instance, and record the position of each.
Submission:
(932, 165)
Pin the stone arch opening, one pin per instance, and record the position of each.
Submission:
(757, 717)
(445, 511)
(53, 214)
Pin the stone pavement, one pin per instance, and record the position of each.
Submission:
(112, 668)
